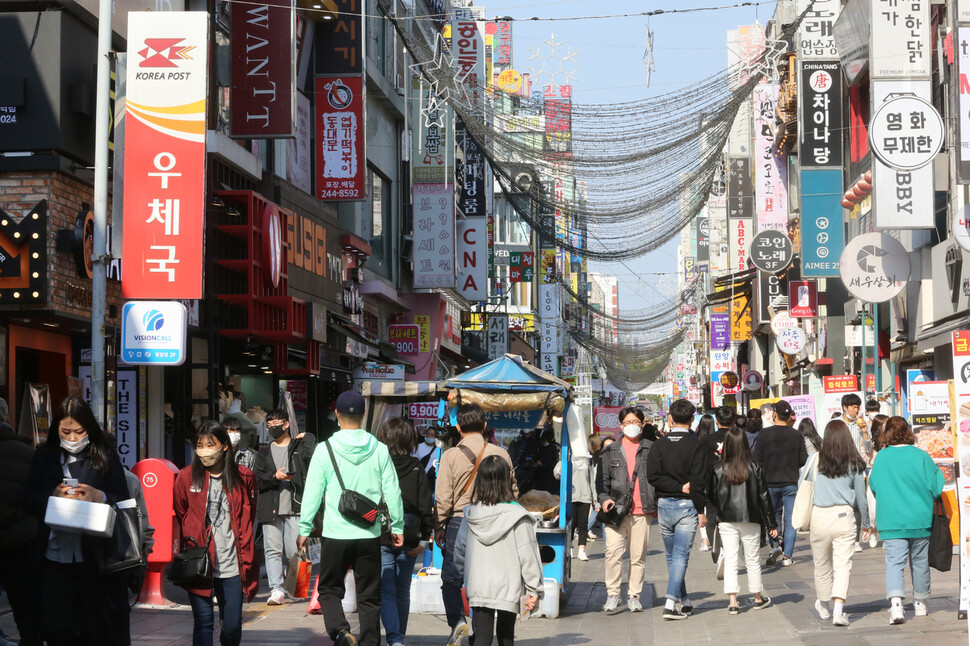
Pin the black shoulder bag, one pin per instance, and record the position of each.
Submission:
(355, 507)
(622, 504)
(191, 567)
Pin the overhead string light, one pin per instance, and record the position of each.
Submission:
(647, 165)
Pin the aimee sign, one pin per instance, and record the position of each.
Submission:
(164, 202)
(263, 69)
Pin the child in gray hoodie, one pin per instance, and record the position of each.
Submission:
(495, 528)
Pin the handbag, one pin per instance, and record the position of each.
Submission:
(297, 582)
(192, 566)
(801, 513)
(125, 550)
(941, 541)
(355, 507)
(621, 507)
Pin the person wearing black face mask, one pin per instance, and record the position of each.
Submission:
(280, 470)
(524, 452)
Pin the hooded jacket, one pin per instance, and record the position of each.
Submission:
(416, 496)
(365, 467)
(497, 554)
(16, 526)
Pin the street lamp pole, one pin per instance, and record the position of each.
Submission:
(99, 280)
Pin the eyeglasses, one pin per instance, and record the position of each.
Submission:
(268, 425)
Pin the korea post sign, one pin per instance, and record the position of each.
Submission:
(164, 202)
(153, 333)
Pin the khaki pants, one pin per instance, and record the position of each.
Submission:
(636, 529)
(832, 537)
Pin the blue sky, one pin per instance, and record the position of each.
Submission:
(610, 68)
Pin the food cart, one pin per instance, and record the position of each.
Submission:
(510, 384)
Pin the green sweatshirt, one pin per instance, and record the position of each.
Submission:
(905, 481)
(365, 466)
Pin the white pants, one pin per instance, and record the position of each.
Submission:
(833, 537)
(733, 537)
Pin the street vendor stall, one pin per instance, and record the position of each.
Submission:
(508, 386)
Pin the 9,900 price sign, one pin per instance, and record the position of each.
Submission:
(406, 339)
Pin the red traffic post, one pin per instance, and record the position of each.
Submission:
(157, 479)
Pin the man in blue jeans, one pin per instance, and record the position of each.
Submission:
(781, 452)
(676, 467)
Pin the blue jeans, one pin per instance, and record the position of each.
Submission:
(396, 570)
(451, 580)
(783, 500)
(918, 551)
(678, 524)
(229, 594)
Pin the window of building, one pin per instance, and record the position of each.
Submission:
(381, 223)
(377, 37)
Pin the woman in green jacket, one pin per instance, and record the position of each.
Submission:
(906, 478)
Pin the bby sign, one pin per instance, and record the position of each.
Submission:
(164, 201)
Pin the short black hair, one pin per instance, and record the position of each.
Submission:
(851, 399)
(724, 415)
(631, 409)
(277, 414)
(682, 411)
(470, 418)
(399, 436)
(232, 424)
(872, 406)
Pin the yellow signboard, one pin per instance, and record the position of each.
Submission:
(510, 81)
(423, 321)
(741, 318)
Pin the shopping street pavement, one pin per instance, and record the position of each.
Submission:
(790, 619)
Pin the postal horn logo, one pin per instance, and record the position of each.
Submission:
(164, 52)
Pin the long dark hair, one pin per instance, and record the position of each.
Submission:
(99, 451)
(838, 456)
(807, 428)
(754, 421)
(705, 426)
(735, 456)
(876, 429)
(230, 472)
(493, 484)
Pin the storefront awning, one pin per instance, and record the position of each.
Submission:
(354, 335)
(940, 333)
(398, 388)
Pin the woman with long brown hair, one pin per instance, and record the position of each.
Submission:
(840, 488)
(738, 492)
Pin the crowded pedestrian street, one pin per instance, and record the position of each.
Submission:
(790, 619)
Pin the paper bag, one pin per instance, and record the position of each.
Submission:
(297, 583)
(313, 608)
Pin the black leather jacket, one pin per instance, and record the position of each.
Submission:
(744, 503)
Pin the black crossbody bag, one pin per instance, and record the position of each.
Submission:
(622, 505)
(355, 507)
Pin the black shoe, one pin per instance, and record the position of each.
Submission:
(764, 603)
(687, 610)
(733, 610)
(345, 638)
(672, 614)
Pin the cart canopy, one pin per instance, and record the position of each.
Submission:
(509, 373)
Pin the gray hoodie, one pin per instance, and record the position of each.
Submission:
(489, 536)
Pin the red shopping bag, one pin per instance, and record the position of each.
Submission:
(314, 606)
(297, 582)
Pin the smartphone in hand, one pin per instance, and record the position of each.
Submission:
(70, 482)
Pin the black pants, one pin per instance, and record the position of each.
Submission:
(363, 556)
(20, 583)
(580, 520)
(484, 624)
(83, 608)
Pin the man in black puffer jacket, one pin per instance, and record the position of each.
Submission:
(17, 529)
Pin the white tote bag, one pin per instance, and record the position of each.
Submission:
(801, 513)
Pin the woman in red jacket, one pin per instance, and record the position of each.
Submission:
(215, 504)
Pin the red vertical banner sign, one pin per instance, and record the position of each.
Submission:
(341, 160)
(164, 202)
(263, 69)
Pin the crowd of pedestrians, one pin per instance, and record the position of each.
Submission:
(377, 499)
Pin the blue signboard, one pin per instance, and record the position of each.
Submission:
(823, 234)
(518, 419)
(153, 333)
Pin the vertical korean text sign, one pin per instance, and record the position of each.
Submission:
(164, 202)
(341, 157)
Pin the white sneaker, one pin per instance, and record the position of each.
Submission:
(920, 607)
(276, 598)
(858, 546)
(822, 609)
(840, 619)
(458, 633)
(719, 574)
(582, 555)
(896, 616)
(873, 541)
(590, 537)
(571, 553)
(705, 547)
(774, 556)
(786, 562)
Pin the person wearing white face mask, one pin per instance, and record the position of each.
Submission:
(214, 499)
(77, 603)
(244, 457)
(622, 464)
(427, 454)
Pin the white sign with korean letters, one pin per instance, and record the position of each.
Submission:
(434, 235)
(497, 333)
(815, 38)
(906, 132)
(900, 41)
(902, 199)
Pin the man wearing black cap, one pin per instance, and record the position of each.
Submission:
(781, 452)
(351, 460)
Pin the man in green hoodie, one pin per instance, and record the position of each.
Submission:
(365, 466)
